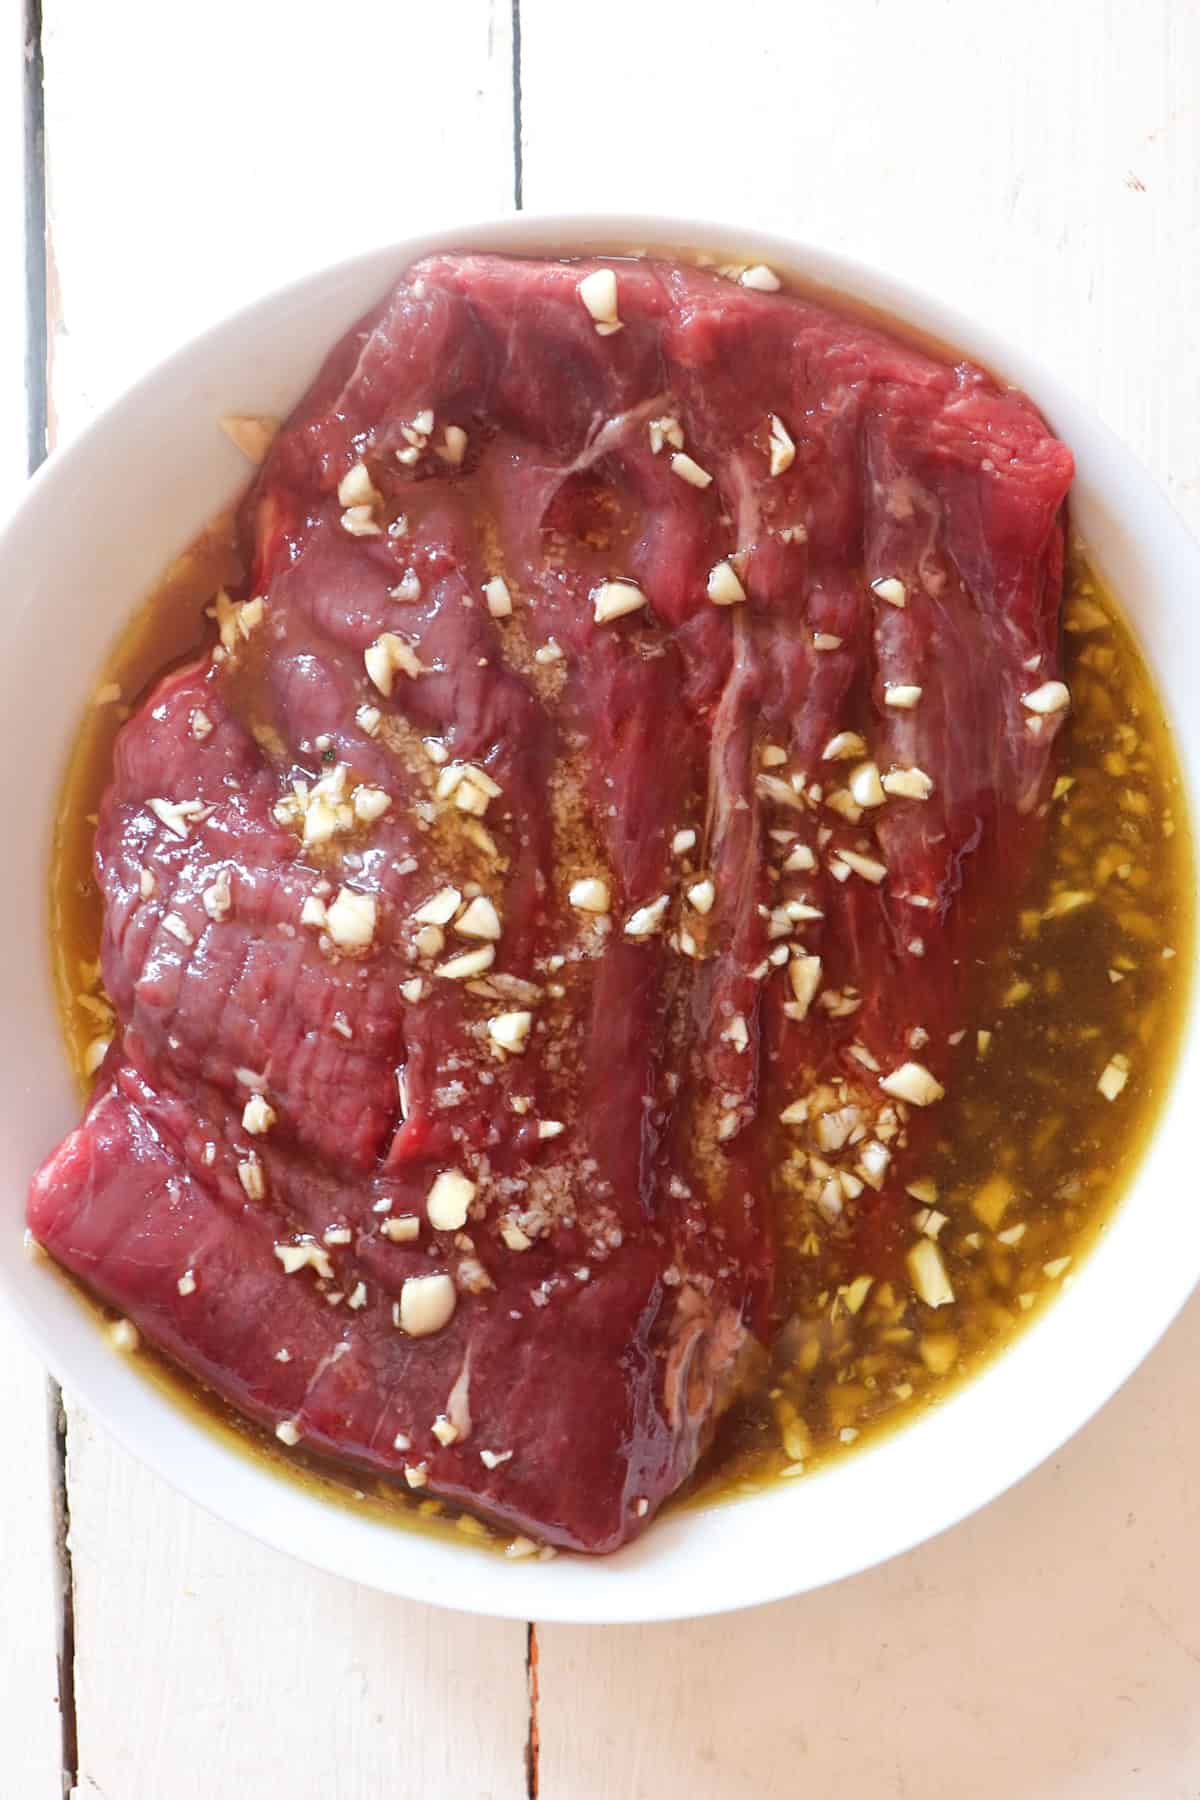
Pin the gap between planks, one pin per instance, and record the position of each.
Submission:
(36, 331)
(38, 433)
(531, 1638)
(531, 1743)
(518, 121)
(37, 336)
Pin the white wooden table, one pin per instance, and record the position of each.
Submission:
(1038, 164)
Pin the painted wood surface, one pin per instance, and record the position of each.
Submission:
(222, 150)
(1038, 166)
(30, 1611)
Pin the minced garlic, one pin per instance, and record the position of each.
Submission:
(928, 1272)
(613, 599)
(913, 1082)
(598, 291)
(427, 1304)
(449, 1200)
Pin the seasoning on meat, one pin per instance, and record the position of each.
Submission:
(553, 1074)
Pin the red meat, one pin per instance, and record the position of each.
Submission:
(609, 1278)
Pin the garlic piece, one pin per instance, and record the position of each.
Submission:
(510, 1031)
(866, 786)
(498, 598)
(470, 963)
(902, 694)
(257, 1116)
(480, 920)
(440, 908)
(1051, 697)
(760, 277)
(360, 521)
(613, 599)
(357, 489)
(783, 450)
(217, 898)
(448, 1202)
(453, 447)
(689, 470)
(646, 920)
(928, 1273)
(891, 589)
(804, 974)
(724, 588)
(666, 430)
(403, 1228)
(908, 784)
(351, 919)
(251, 434)
(589, 895)
(387, 655)
(913, 1082)
(598, 291)
(370, 803)
(307, 1255)
(1113, 1077)
(427, 1304)
(842, 746)
(866, 866)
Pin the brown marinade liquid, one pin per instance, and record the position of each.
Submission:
(1094, 963)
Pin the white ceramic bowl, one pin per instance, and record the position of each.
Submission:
(92, 533)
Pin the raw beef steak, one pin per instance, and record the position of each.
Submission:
(638, 685)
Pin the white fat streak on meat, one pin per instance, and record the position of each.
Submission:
(734, 856)
(911, 644)
(328, 1360)
(458, 1400)
(746, 492)
(622, 431)
(965, 646)
(798, 591)
(451, 315)
(942, 553)
(732, 847)
(621, 434)
(820, 680)
(937, 736)
(701, 1360)
(423, 328)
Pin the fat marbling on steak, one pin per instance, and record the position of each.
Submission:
(637, 688)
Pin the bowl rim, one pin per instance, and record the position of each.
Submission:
(631, 1586)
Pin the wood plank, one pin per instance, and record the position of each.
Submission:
(1047, 1647)
(209, 1665)
(1041, 174)
(222, 153)
(33, 1750)
(1028, 141)
(231, 148)
(28, 1644)
(1028, 163)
